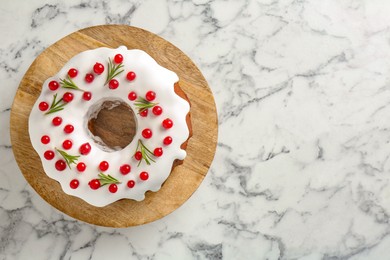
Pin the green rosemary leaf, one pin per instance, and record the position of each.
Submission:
(147, 155)
(113, 70)
(69, 84)
(54, 110)
(69, 159)
(117, 73)
(55, 105)
(143, 104)
(54, 101)
(107, 179)
(146, 148)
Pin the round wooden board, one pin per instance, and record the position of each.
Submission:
(184, 179)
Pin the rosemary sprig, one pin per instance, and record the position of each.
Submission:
(69, 159)
(143, 104)
(107, 179)
(113, 70)
(69, 83)
(55, 105)
(147, 155)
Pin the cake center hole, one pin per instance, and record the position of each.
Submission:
(114, 123)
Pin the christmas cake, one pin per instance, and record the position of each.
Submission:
(60, 132)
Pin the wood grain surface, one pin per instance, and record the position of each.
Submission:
(122, 117)
(184, 179)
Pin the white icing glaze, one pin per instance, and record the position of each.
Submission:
(149, 76)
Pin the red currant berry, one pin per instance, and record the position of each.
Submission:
(89, 77)
(94, 184)
(132, 96)
(81, 167)
(67, 97)
(103, 166)
(57, 121)
(67, 144)
(167, 140)
(157, 110)
(130, 184)
(72, 72)
(150, 96)
(68, 129)
(158, 152)
(118, 58)
(125, 169)
(45, 139)
(43, 106)
(130, 76)
(138, 155)
(167, 123)
(60, 165)
(143, 113)
(53, 85)
(113, 84)
(49, 155)
(87, 95)
(147, 133)
(113, 188)
(85, 149)
(74, 184)
(144, 176)
(98, 68)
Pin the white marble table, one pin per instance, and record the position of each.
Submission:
(302, 168)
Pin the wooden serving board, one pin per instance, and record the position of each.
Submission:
(184, 179)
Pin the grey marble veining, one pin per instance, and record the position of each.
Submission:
(302, 167)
